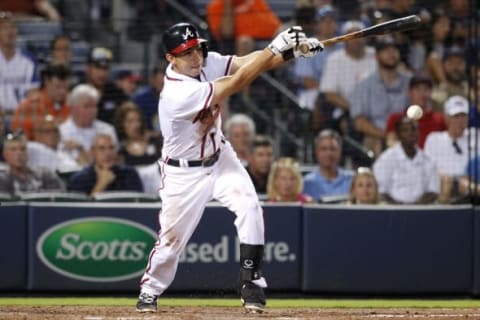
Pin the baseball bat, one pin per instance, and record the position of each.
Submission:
(395, 25)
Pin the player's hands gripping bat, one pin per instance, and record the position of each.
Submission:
(290, 38)
(310, 48)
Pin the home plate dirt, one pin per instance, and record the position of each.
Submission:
(221, 313)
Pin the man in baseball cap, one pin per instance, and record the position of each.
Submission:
(100, 57)
(182, 37)
(449, 148)
(456, 105)
(97, 72)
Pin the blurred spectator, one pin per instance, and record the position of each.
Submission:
(151, 177)
(382, 93)
(449, 149)
(240, 131)
(137, 147)
(104, 174)
(412, 50)
(61, 50)
(2, 133)
(31, 8)
(18, 72)
(127, 81)
(79, 130)
(364, 187)
(328, 179)
(19, 177)
(49, 100)
(44, 151)
(97, 72)
(440, 32)
(405, 175)
(147, 98)
(419, 93)
(455, 83)
(345, 68)
(285, 182)
(308, 72)
(243, 21)
(259, 162)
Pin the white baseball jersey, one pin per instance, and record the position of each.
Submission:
(17, 76)
(191, 128)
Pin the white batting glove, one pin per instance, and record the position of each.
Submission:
(287, 39)
(313, 45)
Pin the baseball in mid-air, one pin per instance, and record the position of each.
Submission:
(414, 112)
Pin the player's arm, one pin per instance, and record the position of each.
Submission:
(229, 85)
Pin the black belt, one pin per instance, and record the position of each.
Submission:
(207, 162)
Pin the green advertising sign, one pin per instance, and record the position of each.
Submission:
(100, 249)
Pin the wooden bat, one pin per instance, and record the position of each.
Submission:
(395, 25)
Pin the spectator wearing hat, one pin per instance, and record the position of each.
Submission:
(18, 70)
(308, 72)
(449, 149)
(127, 81)
(405, 175)
(97, 73)
(419, 93)
(147, 97)
(49, 100)
(455, 77)
(345, 68)
(382, 93)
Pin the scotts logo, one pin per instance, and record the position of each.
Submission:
(96, 249)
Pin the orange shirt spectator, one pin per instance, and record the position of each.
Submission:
(50, 100)
(252, 18)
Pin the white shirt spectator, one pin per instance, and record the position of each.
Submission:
(84, 136)
(151, 178)
(17, 76)
(405, 179)
(342, 72)
(42, 156)
(440, 148)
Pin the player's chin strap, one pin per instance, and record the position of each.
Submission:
(251, 257)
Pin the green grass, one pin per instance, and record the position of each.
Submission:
(272, 303)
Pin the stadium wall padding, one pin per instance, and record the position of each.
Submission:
(85, 247)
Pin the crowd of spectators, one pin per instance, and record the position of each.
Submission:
(93, 127)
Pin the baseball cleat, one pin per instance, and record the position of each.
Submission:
(147, 302)
(253, 298)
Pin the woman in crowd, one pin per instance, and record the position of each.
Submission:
(137, 146)
(285, 183)
(364, 188)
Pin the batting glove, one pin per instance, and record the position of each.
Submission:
(287, 39)
(312, 46)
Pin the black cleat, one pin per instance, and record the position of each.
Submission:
(253, 298)
(147, 302)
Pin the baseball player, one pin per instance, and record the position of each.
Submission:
(198, 164)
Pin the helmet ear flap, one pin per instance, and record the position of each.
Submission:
(204, 46)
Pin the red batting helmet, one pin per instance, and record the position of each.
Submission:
(183, 36)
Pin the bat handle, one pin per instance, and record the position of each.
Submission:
(303, 47)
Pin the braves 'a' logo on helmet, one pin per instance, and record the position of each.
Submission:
(188, 34)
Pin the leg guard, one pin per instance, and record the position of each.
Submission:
(251, 257)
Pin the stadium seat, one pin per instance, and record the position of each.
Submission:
(5, 197)
(125, 196)
(52, 196)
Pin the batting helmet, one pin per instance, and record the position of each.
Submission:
(183, 36)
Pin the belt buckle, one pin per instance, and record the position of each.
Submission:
(210, 161)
